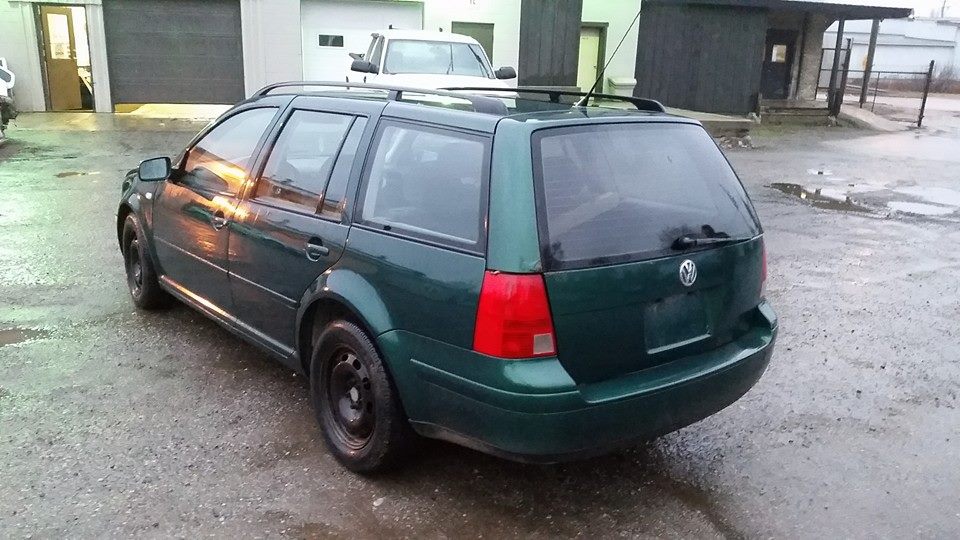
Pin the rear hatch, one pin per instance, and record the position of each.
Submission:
(622, 208)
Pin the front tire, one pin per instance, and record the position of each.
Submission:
(355, 401)
(141, 277)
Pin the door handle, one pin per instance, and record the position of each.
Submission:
(315, 249)
(218, 220)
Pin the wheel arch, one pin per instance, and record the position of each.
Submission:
(339, 294)
(125, 210)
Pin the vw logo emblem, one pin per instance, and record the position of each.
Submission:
(688, 273)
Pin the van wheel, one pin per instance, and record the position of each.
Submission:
(141, 277)
(355, 401)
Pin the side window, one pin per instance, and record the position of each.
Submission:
(220, 160)
(427, 182)
(334, 198)
(300, 163)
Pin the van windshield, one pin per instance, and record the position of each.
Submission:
(435, 57)
(613, 193)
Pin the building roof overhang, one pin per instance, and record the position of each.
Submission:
(836, 9)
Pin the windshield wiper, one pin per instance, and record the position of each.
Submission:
(687, 242)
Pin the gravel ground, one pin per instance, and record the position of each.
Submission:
(120, 423)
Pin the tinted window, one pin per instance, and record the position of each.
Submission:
(410, 56)
(220, 161)
(328, 40)
(333, 199)
(301, 161)
(427, 182)
(618, 192)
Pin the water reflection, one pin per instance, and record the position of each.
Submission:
(821, 198)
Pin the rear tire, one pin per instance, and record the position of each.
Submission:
(356, 402)
(141, 277)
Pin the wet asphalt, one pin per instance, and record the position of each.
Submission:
(116, 423)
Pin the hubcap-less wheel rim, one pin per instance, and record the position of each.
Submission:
(350, 399)
(134, 267)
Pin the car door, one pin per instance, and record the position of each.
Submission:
(192, 208)
(290, 228)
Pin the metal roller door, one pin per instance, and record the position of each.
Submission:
(174, 51)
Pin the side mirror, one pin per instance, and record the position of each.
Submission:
(363, 66)
(356, 55)
(154, 170)
(506, 72)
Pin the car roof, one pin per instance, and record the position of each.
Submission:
(427, 35)
(450, 109)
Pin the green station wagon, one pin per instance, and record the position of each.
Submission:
(513, 272)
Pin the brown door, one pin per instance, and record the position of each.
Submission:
(60, 57)
(777, 63)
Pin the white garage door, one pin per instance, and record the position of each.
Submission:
(331, 29)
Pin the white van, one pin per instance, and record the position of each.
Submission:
(424, 59)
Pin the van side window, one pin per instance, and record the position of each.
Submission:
(428, 183)
(220, 160)
(301, 161)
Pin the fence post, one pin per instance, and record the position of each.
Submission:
(926, 92)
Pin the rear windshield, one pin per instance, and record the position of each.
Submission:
(621, 192)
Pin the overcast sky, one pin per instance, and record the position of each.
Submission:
(921, 8)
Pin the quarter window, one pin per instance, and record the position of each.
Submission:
(300, 163)
(220, 160)
(428, 183)
(334, 198)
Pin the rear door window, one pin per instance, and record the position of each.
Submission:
(427, 183)
(620, 192)
(302, 160)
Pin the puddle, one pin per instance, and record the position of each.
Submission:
(832, 199)
(920, 209)
(935, 195)
(75, 173)
(11, 336)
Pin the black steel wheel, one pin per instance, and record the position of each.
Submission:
(351, 400)
(355, 400)
(141, 278)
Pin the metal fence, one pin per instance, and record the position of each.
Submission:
(898, 90)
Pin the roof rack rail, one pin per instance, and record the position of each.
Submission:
(481, 104)
(643, 104)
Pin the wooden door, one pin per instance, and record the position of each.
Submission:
(60, 57)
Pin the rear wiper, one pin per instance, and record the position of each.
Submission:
(687, 242)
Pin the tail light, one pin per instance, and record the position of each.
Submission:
(513, 318)
(763, 270)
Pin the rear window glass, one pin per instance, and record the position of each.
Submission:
(621, 192)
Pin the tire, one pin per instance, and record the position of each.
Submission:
(356, 402)
(141, 277)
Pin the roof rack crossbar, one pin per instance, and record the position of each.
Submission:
(643, 104)
(481, 104)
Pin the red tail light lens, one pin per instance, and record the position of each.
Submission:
(513, 318)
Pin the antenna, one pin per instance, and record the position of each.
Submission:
(585, 99)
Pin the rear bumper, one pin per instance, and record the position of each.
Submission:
(529, 411)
